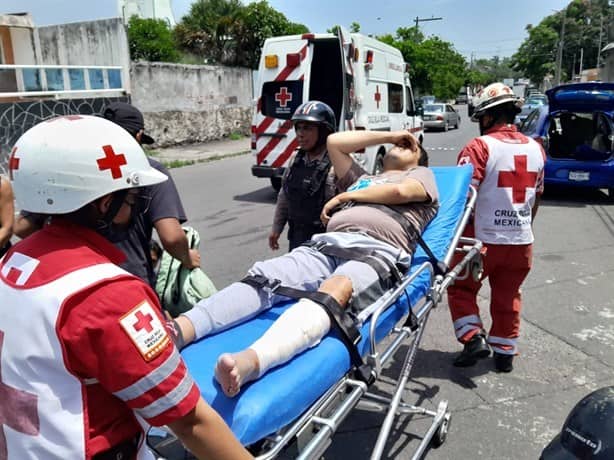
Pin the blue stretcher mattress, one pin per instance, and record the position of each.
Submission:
(284, 393)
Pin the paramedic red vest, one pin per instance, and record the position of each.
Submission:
(41, 409)
(508, 191)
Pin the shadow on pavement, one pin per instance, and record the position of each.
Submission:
(263, 195)
(574, 197)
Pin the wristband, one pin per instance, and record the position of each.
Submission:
(177, 334)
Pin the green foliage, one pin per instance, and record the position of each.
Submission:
(435, 66)
(354, 27)
(583, 20)
(151, 40)
(227, 32)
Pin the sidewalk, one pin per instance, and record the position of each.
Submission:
(182, 155)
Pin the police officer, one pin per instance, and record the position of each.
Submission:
(309, 182)
(588, 431)
(508, 171)
(87, 359)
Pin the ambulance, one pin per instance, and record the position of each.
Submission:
(365, 82)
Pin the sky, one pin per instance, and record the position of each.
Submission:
(482, 28)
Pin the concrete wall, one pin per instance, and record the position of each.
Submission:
(187, 103)
(100, 43)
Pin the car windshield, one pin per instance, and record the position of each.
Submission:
(540, 100)
(433, 108)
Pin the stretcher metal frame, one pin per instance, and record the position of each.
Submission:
(314, 429)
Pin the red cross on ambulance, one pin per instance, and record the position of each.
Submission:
(519, 179)
(283, 97)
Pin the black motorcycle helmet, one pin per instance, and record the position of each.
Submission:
(588, 432)
(317, 112)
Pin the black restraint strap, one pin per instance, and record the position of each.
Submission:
(439, 266)
(367, 256)
(340, 320)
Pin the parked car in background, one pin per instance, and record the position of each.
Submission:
(576, 129)
(531, 103)
(462, 97)
(440, 116)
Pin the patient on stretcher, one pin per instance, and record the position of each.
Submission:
(367, 246)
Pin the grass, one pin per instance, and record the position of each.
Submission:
(235, 136)
(180, 163)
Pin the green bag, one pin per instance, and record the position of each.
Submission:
(180, 288)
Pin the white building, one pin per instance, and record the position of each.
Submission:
(155, 9)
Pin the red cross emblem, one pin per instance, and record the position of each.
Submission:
(65, 117)
(519, 180)
(377, 95)
(111, 161)
(144, 322)
(13, 163)
(283, 97)
(18, 410)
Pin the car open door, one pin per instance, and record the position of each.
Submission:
(349, 95)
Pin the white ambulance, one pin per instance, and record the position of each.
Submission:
(364, 81)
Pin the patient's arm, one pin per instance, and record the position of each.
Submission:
(410, 190)
(300, 327)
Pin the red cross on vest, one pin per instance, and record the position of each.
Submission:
(13, 163)
(377, 96)
(283, 97)
(18, 410)
(144, 322)
(111, 161)
(519, 180)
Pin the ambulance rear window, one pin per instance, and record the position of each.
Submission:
(281, 98)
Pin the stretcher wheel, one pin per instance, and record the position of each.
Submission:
(477, 268)
(441, 434)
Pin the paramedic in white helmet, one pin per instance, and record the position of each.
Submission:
(87, 362)
(508, 172)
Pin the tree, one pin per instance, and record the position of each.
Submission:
(435, 66)
(151, 40)
(537, 54)
(354, 27)
(257, 22)
(226, 32)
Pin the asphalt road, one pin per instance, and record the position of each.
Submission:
(567, 342)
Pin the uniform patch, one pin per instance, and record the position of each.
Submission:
(145, 329)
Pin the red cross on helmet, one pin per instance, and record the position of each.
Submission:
(493, 95)
(68, 162)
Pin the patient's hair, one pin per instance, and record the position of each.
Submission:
(424, 156)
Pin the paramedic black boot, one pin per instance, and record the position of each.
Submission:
(475, 349)
(503, 363)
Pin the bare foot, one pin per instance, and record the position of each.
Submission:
(233, 370)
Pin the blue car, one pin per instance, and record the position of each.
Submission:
(576, 129)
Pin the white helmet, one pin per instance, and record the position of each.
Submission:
(64, 163)
(491, 96)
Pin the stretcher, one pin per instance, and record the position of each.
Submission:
(306, 399)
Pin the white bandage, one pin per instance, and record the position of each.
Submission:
(300, 327)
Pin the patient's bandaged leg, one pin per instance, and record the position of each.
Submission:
(300, 327)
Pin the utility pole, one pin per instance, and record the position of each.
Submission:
(599, 49)
(417, 20)
(581, 62)
(559, 56)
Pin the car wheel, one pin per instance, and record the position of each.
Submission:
(611, 194)
(276, 183)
